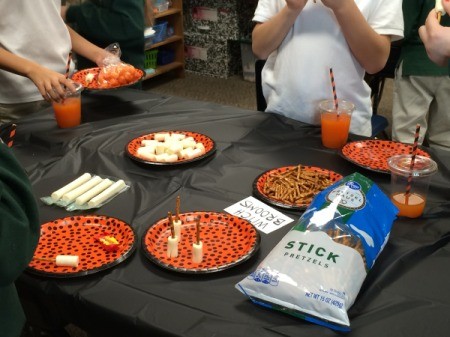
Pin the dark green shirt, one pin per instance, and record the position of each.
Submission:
(19, 233)
(414, 56)
(104, 22)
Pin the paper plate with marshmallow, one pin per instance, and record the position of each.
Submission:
(80, 245)
(170, 147)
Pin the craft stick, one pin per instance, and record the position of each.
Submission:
(69, 187)
(108, 193)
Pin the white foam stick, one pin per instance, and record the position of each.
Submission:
(72, 195)
(108, 193)
(172, 246)
(197, 252)
(84, 198)
(74, 184)
(439, 8)
(67, 260)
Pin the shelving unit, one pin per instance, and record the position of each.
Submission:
(174, 17)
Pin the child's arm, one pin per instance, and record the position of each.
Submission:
(48, 82)
(267, 36)
(370, 49)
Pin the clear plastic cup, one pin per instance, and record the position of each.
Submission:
(335, 123)
(411, 203)
(68, 111)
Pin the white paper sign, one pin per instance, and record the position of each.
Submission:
(263, 217)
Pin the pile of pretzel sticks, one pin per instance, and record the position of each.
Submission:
(297, 185)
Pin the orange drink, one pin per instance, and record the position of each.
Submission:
(410, 182)
(68, 111)
(411, 205)
(335, 122)
(334, 129)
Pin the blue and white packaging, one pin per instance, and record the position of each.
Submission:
(316, 271)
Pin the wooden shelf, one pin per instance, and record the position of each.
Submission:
(174, 17)
(179, 66)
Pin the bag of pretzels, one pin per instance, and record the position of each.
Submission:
(316, 271)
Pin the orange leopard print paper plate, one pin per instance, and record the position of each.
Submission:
(132, 147)
(373, 154)
(76, 235)
(92, 83)
(227, 241)
(307, 182)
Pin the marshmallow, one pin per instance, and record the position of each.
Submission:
(67, 260)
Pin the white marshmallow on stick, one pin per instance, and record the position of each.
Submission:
(62, 260)
(72, 195)
(84, 198)
(69, 187)
(172, 240)
(108, 193)
(197, 247)
(67, 260)
(197, 252)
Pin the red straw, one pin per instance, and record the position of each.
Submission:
(413, 158)
(333, 85)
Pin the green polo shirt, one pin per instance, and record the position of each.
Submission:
(19, 234)
(104, 22)
(413, 54)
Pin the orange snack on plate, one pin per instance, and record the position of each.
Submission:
(108, 242)
(116, 75)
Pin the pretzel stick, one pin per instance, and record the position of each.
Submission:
(172, 229)
(295, 185)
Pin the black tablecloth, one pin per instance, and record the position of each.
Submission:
(405, 294)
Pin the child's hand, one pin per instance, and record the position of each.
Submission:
(50, 83)
(336, 4)
(436, 38)
(296, 5)
(446, 5)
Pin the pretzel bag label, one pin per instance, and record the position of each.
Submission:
(316, 271)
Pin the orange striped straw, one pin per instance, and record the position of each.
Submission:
(333, 85)
(69, 59)
(413, 159)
